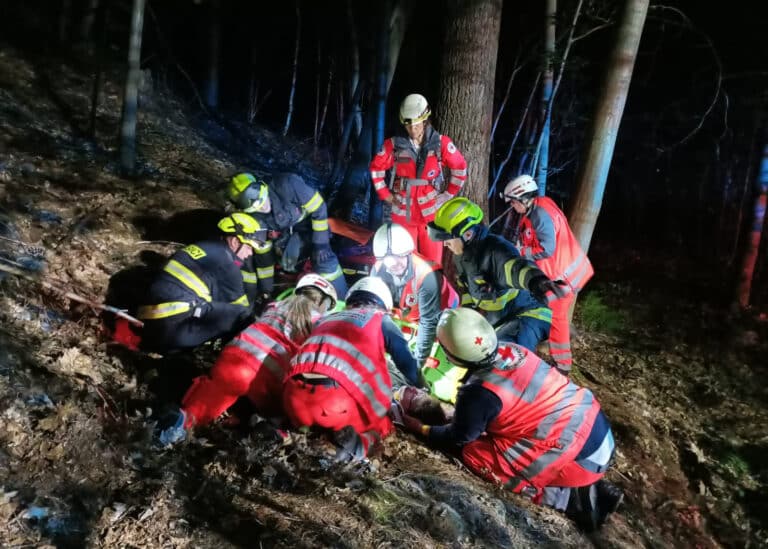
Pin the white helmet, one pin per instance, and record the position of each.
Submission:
(316, 281)
(467, 338)
(392, 239)
(519, 188)
(371, 288)
(414, 109)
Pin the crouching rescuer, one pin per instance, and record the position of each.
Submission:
(339, 379)
(200, 294)
(519, 422)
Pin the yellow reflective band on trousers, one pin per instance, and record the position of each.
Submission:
(242, 300)
(330, 277)
(319, 224)
(188, 278)
(249, 277)
(313, 203)
(496, 304)
(540, 313)
(466, 299)
(163, 310)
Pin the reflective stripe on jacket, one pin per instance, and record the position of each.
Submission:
(567, 261)
(348, 347)
(417, 174)
(545, 418)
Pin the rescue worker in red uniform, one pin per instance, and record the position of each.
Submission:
(417, 163)
(200, 294)
(254, 363)
(339, 379)
(419, 289)
(510, 291)
(296, 215)
(521, 423)
(545, 237)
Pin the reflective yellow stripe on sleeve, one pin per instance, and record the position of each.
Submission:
(319, 224)
(540, 313)
(265, 272)
(188, 278)
(250, 277)
(313, 203)
(163, 310)
(264, 248)
(242, 300)
(499, 303)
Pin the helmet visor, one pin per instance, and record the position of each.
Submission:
(438, 234)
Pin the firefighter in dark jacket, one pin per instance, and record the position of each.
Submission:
(200, 294)
(508, 290)
(297, 215)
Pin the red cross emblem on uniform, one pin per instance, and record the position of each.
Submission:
(478, 340)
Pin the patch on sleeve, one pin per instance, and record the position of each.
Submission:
(451, 147)
(195, 252)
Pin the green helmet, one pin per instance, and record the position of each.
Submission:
(454, 218)
(247, 230)
(247, 193)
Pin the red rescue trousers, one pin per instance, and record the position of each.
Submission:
(429, 249)
(235, 374)
(482, 457)
(560, 332)
(330, 407)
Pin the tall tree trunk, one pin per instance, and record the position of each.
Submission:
(131, 94)
(465, 106)
(295, 70)
(214, 57)
(546, 94)
(398, 23)
(756, 231)
(101, 53)
(610, 108)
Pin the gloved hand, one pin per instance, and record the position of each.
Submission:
(540, 286)
(321, 253)
(171, 428)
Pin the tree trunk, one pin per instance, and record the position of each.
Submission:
(101, 53)
(465, 106)
(610, 108)
(214, 59)
(546, 95)
(398, 23)
(756, 231)
(131, 94)
(295, 70)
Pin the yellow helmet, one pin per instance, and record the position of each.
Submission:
(246, 229)
(247, 193)
(454, 218)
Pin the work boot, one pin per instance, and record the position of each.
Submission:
(170, 428)
(609, 497)
(349, 446)
(590, 506)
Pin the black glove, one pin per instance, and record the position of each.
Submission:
(544, 289)
(321, 253)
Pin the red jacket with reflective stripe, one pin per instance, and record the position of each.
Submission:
(545, 418)
(398, 152)
(266, 342)
(567, 261)
(348, 347)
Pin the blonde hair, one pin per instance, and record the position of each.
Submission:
(300, 310)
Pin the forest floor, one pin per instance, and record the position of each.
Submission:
(681, 381)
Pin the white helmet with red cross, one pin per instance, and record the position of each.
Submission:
(467, 338)
(520, 188)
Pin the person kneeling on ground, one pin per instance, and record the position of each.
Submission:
(339, 379)
(200, 294)
(254, 363)
(521, 423)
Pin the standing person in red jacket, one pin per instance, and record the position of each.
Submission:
(339, 378)
(520, 423)
(253, 364)
(545, 237)
(417, 162)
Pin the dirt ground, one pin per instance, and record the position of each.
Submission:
(681, 381)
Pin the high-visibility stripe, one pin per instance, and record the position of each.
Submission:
(564, 346)
(523, 274)
(530, 392)
(499, 302)
(330, 277)
(264, 248)
(378, 185)
(249, 277)
(431, 195)
(259, 345)
(242, 300)
(376, 174)
(579, 275)
(456, 180)
(428, 211)
(466, 299)
(396, 210)
(540, 313)
(346, 369)
(188, 278)
(313, 203)
(459, 172)
(319, 224)
(265, 272)
(163, 310)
